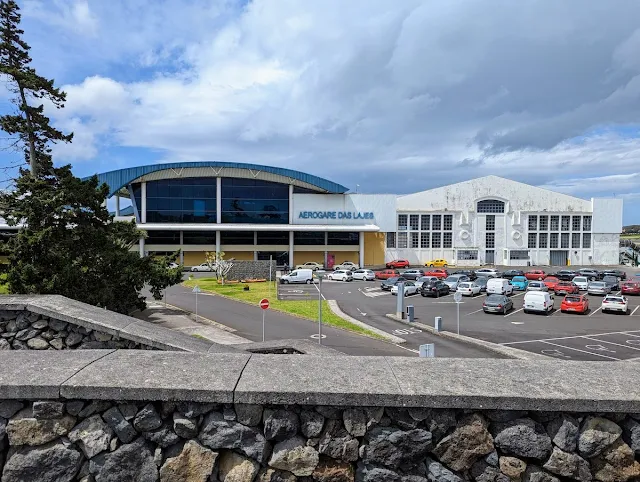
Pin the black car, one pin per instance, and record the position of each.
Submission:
(566, 274)
(434, 288)
(590, 274)
(616, 272)
(510, 273)
(468, 272)
(388, 283)
(612, 282)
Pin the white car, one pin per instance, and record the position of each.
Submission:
(487, 272)
(347, 265)
(364, 275)
(468, 288)
(173, 265)
(409, 289)
(310, 265)
(201, 267)
(582, 282)
(424, 279)
(615, 303)
(340, 275)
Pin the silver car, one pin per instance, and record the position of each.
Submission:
(537, 286)
(598, 288)
(453, 280)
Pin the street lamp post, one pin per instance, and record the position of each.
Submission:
(320, 276)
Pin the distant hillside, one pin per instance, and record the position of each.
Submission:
(631, 229)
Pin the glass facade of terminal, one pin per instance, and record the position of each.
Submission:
(254, 201)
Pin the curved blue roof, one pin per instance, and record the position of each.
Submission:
(116, 180)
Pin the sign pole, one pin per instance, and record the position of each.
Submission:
(263, 324)
(270, 264)
(197, 305)
(458, 306)
(457, 297)
(320, 276)
(264, 304)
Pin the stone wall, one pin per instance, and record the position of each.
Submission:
(65, 440)
(252, 270)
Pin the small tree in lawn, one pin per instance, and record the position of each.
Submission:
(218, 264)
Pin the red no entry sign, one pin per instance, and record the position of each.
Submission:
(264, 303)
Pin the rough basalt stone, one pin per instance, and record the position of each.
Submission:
(74, 407)
(616, 464)
(131, 462)
(234, 467)
(57, 343)
(38, 343)
(147, 419)
(57, 325)
(73, 339)
(248, 414)
(596, 435)
(122, 428)
(48, 409)
(355, 421)
(4, 344)
(184, 427)
(19, 345)
(23, 429)
(163, 436)
(128, 410)
(194, 463)
(631, 434)
(483, 472)
(402, 418)
(295, 456)
(272, 475)
(218, 433)
(327, 411)
(97, 406)
(311, 423)
(536, 474)
(524, 438)
(102, 336)
(513, 468)
(53, 462)
(92, 435)
(194, 409)
(279, 424)
(371, 473)
(436, 472)
(567, 464)
(40, 324)
(330, 470)
(564, 432)
(469, 442)
(8, 408)
(337, 443)
(395, 448)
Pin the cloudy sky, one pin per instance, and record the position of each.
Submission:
(391, 96)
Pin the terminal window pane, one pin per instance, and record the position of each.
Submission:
(391, 240)
(553, 240)
(163, 237)
(447, 240)
(564, 240)
(490, 206)
(254, 201)
(402, 221)
(308, 238)
(533, 222)
(436, 222)
(345, 239)
(414, 220)
(448, 222)
(424, 240)
(544, 223)
(542, 240)
(555, 223)
(586, 223)
(467, 254)
(182, 200)
(586, 240)
(575, 223)
(236, 237)
(435, 240)
(490, 223)
(273, 237)
(519, 254)
(490, 240)
(425, 222)
(565, 223)
(532, 240)
(575, 240)
(402, 240)
(414, 240)
(200, 237)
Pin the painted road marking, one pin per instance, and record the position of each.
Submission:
(554, 353)
(636, 309)
(473, 312)
(513, 312)
(610, 343)
(629, 333)
(408, 349)
(517, 322)
(582, 351)
(595, 311)
(316, 336)
(406, 331)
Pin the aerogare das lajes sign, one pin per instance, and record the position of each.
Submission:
(335, 215)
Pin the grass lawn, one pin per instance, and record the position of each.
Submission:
(3, 286)
(257, 291)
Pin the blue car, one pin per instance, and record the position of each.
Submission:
(520, 283)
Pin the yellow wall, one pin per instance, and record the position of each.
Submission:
(239, 255)
(193, 258)
(342, 256)
(373, 249)
(301, 257)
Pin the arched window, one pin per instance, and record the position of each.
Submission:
(490, 206)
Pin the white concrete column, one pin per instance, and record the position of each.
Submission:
(291, 249)
(142, 247)
(361, 251)
(255, 243)
(143, 202)
(218, 204)
(117, 205)
(290, 203)
(181, 247)
(217, 241)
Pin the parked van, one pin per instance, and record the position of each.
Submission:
(298, 276)
(499, 286)
(539, 301)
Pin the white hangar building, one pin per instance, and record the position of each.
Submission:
(491, 220)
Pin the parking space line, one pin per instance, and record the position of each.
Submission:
(513, 312)
(318, 290)
(408, 349)
(629, 333)
(582, 351)
(595, 311)
(636, 309)
(610, 342)
(473, 312)
(518, 294)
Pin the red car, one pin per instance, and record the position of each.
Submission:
(551, 282)
(575, 304)
(535, 274)
(566, 288)
(437, 272)
(630, 288)
(387, 273)
(398, 263)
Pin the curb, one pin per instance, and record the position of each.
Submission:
(205, 321)
(337, 311)
(506, 351)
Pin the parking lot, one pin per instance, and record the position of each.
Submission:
(592, 336)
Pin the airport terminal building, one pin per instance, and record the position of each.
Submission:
(253, 212)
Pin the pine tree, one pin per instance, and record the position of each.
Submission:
(32, 127)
